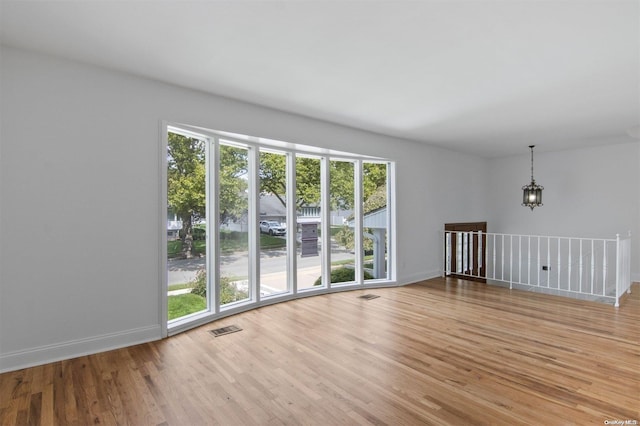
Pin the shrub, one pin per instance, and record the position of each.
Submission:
(342, 275)
(228, 291)
(346, 238)
(200, 287)
(199, 233)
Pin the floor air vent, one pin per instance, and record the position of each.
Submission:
(225, 330)
(368, 296)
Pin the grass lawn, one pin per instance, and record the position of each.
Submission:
(173, 248)
(185, 304)
(267, 241)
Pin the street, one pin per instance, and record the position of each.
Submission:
(271, 262)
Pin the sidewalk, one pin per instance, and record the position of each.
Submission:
(275, 282)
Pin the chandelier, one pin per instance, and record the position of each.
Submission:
(532, 193)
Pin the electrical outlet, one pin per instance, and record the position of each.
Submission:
(545, 268)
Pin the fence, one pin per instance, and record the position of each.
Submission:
(597, 268)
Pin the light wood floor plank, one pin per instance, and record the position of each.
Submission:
(436, 352)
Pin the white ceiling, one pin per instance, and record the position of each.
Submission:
(484, 77)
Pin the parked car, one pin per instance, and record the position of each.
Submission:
(272, 227)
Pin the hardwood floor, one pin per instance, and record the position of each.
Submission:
(436, 352)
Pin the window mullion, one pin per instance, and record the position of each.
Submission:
(325, 217)
(292, 224)
(391, 202)
(213, 225)
(357, 224)
(253, 226)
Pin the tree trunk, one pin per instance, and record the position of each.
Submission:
(187, 238)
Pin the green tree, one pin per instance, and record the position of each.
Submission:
(186, 177)
(273, 175)
(374, 175)
(307, 181)
(233, 186)
(341, 174)
(273, 180)
(376, 199)
(186, 159)
(186, 184)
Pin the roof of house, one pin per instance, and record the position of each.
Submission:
(374, 219)
(270, 205)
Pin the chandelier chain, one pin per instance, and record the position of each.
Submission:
(532, 146)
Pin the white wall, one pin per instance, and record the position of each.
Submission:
(80, 214)
(592, 192)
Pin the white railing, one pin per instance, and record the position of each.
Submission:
(595, 267)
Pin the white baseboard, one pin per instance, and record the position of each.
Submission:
(45, 354)
(427, 275)
(635, 278)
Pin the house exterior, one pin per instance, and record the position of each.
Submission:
(174, 225)
(271, 208)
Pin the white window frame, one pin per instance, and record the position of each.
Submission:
(213, 139)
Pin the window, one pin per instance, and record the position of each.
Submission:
(251, 221)
(274, 275)
(375, 221)
(186, 224)
(309, 236)
(233, 224)
(342, 202)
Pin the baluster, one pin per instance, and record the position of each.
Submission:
(604, 267)
(462, 252)
(502, 273)
(538, 263)
(519, 259)
(559, 264)
(593, 264)
(448, 253)
(510, 261)
(463, 266)
(471, 255)
(493, 274)
(529, 260)
(569, 267)
(458, 252)
(466, 253)
(580, 265)
(548, 261)
(480, 251)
